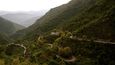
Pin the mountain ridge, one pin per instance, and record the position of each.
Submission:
(22, 17)
(9, 27)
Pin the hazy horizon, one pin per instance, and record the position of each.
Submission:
(29, 5)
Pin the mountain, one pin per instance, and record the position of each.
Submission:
(80, 17)
(23, 17)
(81, 32)
(8, 27)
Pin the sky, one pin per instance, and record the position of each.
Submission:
(30, 5)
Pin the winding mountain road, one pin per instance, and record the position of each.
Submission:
(20, 45)
(98, 41)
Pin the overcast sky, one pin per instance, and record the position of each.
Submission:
(29, 5)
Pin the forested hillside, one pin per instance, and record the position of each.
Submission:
(80, 17)
(81, 32)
